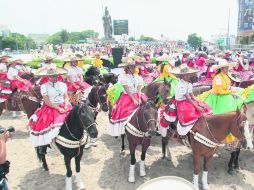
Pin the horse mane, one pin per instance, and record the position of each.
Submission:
(72, 116)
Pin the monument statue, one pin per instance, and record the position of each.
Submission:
(107, 24)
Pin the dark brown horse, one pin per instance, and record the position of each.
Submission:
(27, 102)
(207, 135)
(139, 131)
(154, 91)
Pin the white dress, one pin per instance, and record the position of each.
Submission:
(132, 81)
(12, 73)
(55, 92)
(3, 68)
(74, 73)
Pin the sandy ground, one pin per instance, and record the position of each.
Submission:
(103, 168)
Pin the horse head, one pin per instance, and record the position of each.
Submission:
(164, 90)
(147, 118)
(86, 117)
(98, 95)
(239, 127)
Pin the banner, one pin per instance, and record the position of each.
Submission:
(120, 27)
(245, 17)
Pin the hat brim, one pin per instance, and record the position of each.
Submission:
(223, 65)
(233, 78)
(177, 71)
(122, 65)
(246, 66)
(43, 72)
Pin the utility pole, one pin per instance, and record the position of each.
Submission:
(228, 38)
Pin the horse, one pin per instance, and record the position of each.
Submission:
(139, 131)
(71, 139)
(27, 102)
(207, 135)
(233, 163)
(154, 92)
(91, 76)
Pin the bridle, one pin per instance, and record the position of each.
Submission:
(98, 99)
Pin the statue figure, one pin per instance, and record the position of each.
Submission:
(107, 24)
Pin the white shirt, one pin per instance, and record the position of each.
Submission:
(182, 89)
(56, 93)
(3, 68)
(74, 73)
(12, 73)
(132, 81)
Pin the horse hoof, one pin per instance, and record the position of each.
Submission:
(230, 171)
(236, 167)
(122, 152)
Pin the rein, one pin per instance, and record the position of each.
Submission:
(84, 128)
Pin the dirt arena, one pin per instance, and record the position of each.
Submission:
(102, 167)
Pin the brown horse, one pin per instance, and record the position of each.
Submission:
(27, 102)
(207, 135)
(139, 131)
(154, 91)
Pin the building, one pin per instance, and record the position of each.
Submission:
(39, 39)
(4, 30)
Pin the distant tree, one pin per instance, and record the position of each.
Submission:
(18, 41)
(55, 38)
(132, 38)
(194, 41)
(146, 38)
(64, 36)
(72, 37)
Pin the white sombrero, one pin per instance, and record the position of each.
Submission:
(129, 61)
(234, 77)
(223, 63)
(50, 70)
(167, 182)
(183, 69)
(245, 64)
(164, 57)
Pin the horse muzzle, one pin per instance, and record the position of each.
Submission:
(152, 133)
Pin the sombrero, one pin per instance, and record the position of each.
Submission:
(50, 70)
(245, 64)
(211, 60)
(16, 60)
(223, 63)
(234, 77)
(203, 54)
(3, 56)
(79, 55)
(48, 58)
(164, 57)
(183, 69)
(186, 53)
(128, 61)
(164, 182)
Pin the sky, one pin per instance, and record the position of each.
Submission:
(174, 19)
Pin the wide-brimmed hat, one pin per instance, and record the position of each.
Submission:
(186, 53)
(17, 61)
(3, 56)
(223, 63)
(48, 57)
(164, 57)
(128, 61)
(245, 64)
(234, 76)
(50, 70)
(203, 54)
(183, 69)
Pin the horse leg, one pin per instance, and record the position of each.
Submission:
(42, 151)
(230, 164)
(133, 162)
(165, 148)
(207, 161)
(79, 181)
(142, 169)
(123, 145)
(196, 163)
(236, 165)
(68, 181)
